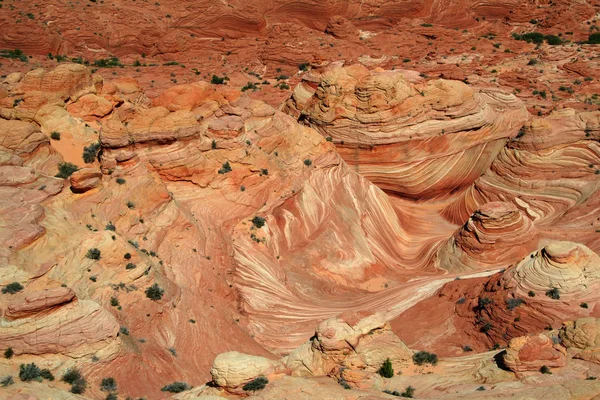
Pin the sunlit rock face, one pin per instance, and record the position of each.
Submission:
(417, 140)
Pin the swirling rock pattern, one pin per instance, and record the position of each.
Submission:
(417, 141)
(497, 234)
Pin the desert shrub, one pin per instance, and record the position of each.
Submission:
(216, 80)
(66, 169)
(408, 392)
(55, 135)
(90, 152)
(93, 254)
(511, 304)
(15, 54)
(46, 374)
(593, 38)
(176, 387)
(256, 384)
(467, 348)
(79, 386)
(120, 181)
(530, 37)
(7, 381)
(531, 293)
(553, 40)
(424, 357)
(386, 370)
(250, 86)
(130, 266)
(258, 222)
(553, 293)
(583, 305)
(533, 61)
(307, 162)
(29, 372)
(225, 168)
(545, 370)
(9, 352)
(110, 227)
(12, 288)
(108, 385)
(124, 330)
(108, 62)
(127, 256)
(303, 66)
(111, 396)
(154, 292)
(486, 327)
(130, 205)
(114, 302)
(71, 376)
(484, 302)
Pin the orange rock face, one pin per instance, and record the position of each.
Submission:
(309, 193)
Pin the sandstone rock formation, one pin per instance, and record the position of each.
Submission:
(532, 353)
(233, 369)
(582, 335)
(417, 141)
(497, 234)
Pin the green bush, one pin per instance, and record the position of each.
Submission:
(90, 152)
(155, 292)
(120, 181)
(12, 288)
(307, 162)
(583, 305)
(545, 370)
(593, 38)
(7, 381)
(225, 168)
(9, 352)
(71, 376)
(486, 327)
(176, 387)
(216, 80)
(108, 385)
(15, 54)
(114, 302)
(46, 374)
(93, 254)
(29, 372)
(108, 62)
(258, 222)
(110, 227)
(130, 266)
(386, 370)
(553, 293)
(553, 40)
(511, 304)
(66, 169)
(424, 357)
(55, 135)
(79, 386)
(484, 302)
(256, 384)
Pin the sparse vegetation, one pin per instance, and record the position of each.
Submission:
(12, 288)
(90, 152)
(486, 327)
(31, 372)
(408, 392)
(531, 293)
(216, 80)
(108, 63)
(9, 352)
(7, 381)
(108, 385)
(225, 168)
(14, 54)
(110, 227)
(155, 292)
(593, 38)
(545, 370)
(55, 135)
(484, 302)
(307, 162)
(256, 384)
(120, 181)
(424, 357)
(386, 370)
(130, 266)
(66, 169)
(511, 304)
(176, 387)
(553, 293)
(583, 305)
(93, 254)
(258, 222)
(114, 302)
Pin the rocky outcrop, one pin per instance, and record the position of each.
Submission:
(413, 140)
(583, 336)
(531, 353)
(233, 369)
(348, 346)
(85, 179)
(496, 235)
(33, 303)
